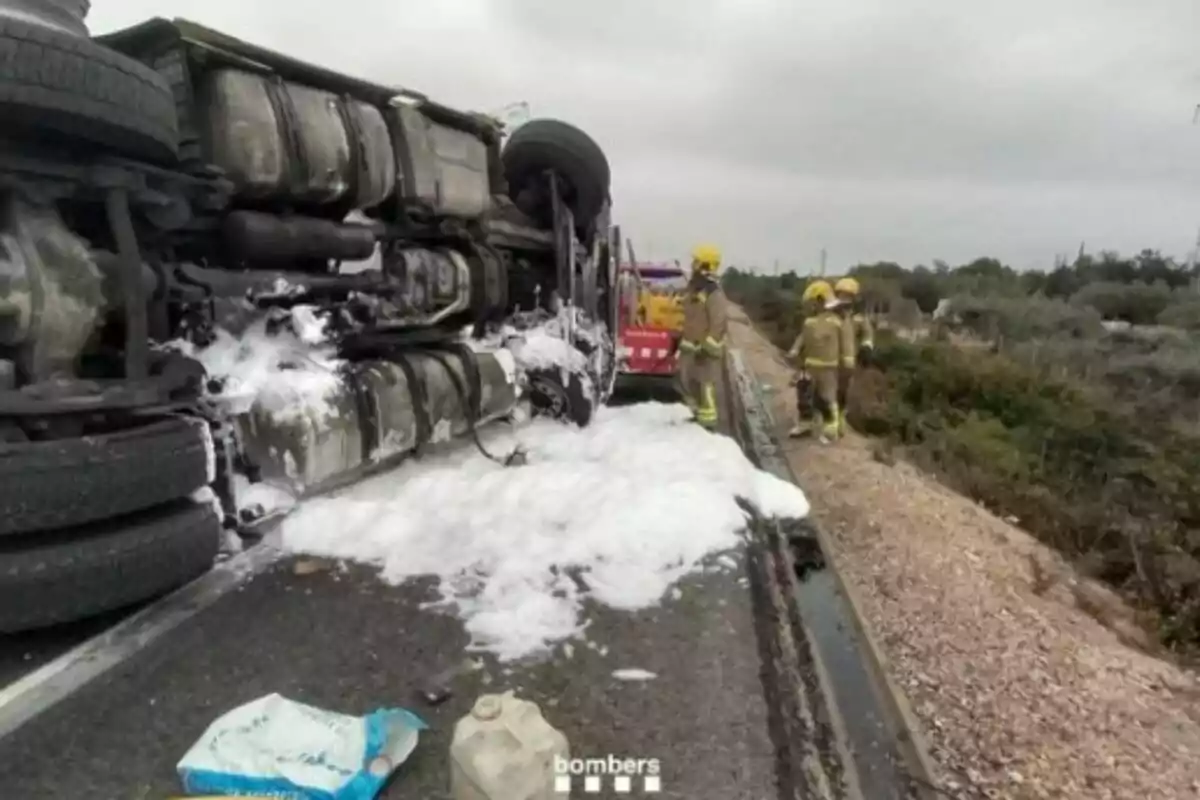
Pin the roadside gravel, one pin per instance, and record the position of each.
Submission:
(1027, 679)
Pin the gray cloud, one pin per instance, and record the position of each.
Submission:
(908, 131)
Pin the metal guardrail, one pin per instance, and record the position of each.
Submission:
(843, 729)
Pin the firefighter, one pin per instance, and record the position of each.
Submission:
(860, 340)
(702, 340)
(802, 381)
(820, 349)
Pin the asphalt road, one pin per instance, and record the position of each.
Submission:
(342, 640)
(22, 653)
(345, 641)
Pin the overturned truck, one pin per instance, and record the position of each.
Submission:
(166, 185)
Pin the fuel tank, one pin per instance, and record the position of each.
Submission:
(442, 171)
(292, 144)
(282, 141)
(380, 409)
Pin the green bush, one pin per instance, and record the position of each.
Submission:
(1135, 303)
(1157, 369)
(1090, 438)
(1094, 478)
(1182, 314)
(1023, 318)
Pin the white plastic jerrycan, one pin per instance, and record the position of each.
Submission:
(505, 750)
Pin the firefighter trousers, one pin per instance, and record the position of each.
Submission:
(804, 398)
(825, 396)
(845, 378)
(698, 376)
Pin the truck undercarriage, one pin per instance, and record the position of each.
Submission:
(168, 191)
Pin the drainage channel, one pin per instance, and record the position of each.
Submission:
(886, 757)
(829, 622)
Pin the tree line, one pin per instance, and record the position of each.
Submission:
(1146, 289)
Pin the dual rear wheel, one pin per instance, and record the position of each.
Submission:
(96, 523)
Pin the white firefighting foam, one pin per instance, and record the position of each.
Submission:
(616, 513)
(286, 373)
(546, 346)
(292, 371)
(540, 349)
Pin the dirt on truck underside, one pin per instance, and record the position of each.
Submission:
(1022, 689)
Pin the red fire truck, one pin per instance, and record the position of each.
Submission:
(651, 318)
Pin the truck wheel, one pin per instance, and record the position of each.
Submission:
(547, 144)
(62, 483)
(572, 401)
(54, 578)
(61, 85)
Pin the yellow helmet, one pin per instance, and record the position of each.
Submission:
(706, 257)
(847, 286)
(818, 291)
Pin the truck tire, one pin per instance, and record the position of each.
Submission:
(54, 578)
(62, 483)
(58, 85)
(568, 152)
(571, 401)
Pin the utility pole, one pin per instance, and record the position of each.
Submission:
(823, 262)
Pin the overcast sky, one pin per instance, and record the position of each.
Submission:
(906, 130)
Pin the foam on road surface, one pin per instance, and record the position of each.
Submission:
(614, 514)
(616, 552)
(344, 641)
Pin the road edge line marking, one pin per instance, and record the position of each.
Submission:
(27, 697)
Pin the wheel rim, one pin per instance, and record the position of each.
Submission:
(554, 397)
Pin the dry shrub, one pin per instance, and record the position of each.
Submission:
(1091, 439)
(1088, 475)
(868, 403)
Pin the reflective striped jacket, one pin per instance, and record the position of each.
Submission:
(824, 341)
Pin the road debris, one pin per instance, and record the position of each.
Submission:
(439, 688)
(501, 750)
(278, 747)
(309, 566)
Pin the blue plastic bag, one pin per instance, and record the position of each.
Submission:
(275, 747)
